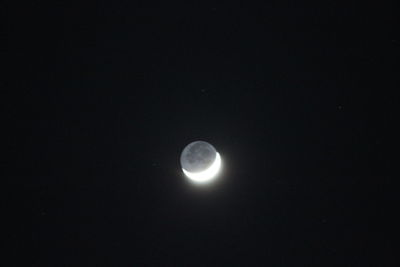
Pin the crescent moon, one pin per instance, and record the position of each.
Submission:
(206, 175)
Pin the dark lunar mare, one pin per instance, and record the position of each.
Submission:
(198, 156)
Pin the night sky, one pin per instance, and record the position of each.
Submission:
(101, 98)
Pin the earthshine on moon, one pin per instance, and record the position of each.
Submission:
(200, 162)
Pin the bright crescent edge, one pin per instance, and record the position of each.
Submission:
(207, 175)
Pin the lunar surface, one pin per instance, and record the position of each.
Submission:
(200, 161)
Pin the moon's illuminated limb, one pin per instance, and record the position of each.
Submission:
(207, 175)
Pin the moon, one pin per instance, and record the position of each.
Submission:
(200, 162)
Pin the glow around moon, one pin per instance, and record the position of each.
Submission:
(206, 175)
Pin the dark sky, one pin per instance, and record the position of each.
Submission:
(102, 97)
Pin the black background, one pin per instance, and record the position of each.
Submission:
(102, 97)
